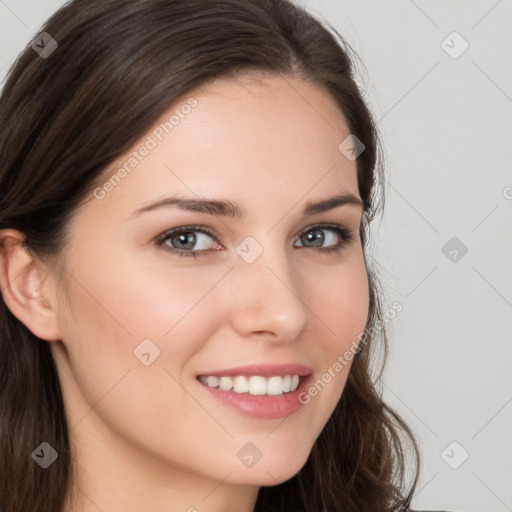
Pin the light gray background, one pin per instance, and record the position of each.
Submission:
(446, 125)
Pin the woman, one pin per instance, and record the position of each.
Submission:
(170, 340)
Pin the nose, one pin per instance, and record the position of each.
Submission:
(268, 300)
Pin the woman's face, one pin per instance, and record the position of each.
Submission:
(141, 319)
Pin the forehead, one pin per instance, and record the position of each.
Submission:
(271, 137)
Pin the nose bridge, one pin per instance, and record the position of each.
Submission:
(268, 293)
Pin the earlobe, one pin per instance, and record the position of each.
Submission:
(21, 286)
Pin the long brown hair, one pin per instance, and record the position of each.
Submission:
(64, 118)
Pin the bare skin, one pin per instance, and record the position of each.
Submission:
(152, 437)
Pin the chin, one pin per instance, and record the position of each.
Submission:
(279, 469)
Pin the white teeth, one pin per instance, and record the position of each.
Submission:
(241, 385)
(254, 385)
(213, 382)
(257, 385)
(225, 383)
(275, 386)
(287, 383)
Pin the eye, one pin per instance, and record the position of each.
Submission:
(180, 240)
(315, 235)
(183, 241)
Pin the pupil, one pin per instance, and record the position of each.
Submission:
(316, 234)
(183, 239)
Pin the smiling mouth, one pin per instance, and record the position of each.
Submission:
(273, 395)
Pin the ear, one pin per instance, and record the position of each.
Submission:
(21, 279)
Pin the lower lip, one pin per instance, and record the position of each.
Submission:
(261, 406)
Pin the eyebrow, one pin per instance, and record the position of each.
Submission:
(234, 210)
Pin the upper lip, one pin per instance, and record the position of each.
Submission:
(265, 370)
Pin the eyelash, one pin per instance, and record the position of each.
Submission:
(345, 235)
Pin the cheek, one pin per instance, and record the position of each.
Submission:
(128, 299)
(119, 310)
(340, 299)
(115, 317)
